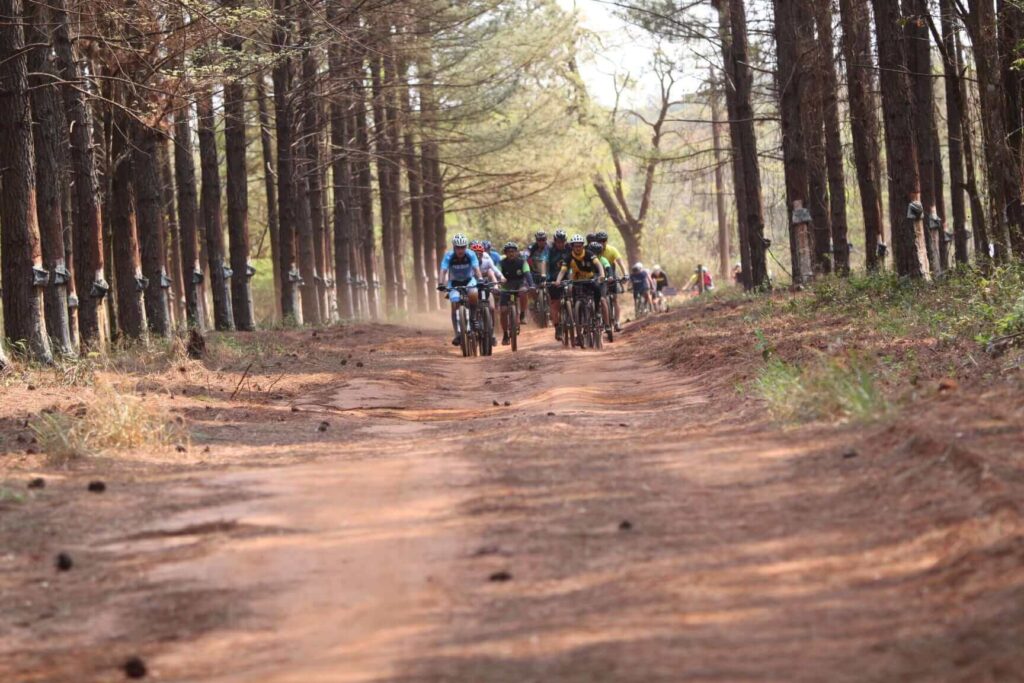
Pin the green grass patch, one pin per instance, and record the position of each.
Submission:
(826, 389)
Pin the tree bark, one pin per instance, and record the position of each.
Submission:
(210, 205)
(433, 201)
(833, 141)
(1003, 181)
(813, 118)
(291, 304)
(793, 81)
(177, 295)
(238, 198)
(742, 127)
(185, 177)
(724, 270)
(21, 258)
(915, 31)
(130, 283)
(145, 174)
(860, 83)
(364, 190)
(88, 228)
(48, 122)
(901, 150)
(273, 220)
(1010, 22)
(393, 95)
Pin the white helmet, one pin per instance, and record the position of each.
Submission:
(460, 240)
(656, 269)
(577, 239)
(638, 266)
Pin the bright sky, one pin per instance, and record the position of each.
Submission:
(622, 49)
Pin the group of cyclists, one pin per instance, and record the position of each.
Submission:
(537, 274)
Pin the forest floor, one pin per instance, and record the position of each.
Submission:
(360, 503)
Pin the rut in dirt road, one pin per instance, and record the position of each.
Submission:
(615, 522)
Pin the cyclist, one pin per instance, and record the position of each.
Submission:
(490, 274)
(515, 271)
(558, 253)
(642, 283)
(700, 281)
(614, 257)
(597, 249)
(660, 283)
(495, 256)
(460, 268)
(587, 275)
(537, 258)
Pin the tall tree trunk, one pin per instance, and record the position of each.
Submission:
(413, 176)
(954, 127)
(150, 225)
(341, 172)
(88, 229)
(432, 205)
(131, 313)
(48, 122)
(177, 274)
(723, 222)
(793, 85)
(210, 205)
(305, 168)
(1010, 22)
(978, 225)
(901, 150)
(813, 117)
(833, 141)
(1003, 181)
(384, 176)
(393, 95)
(738, 69)
(364, 190)
(238, 198)
(860, 83)
(185, 177)
(738, 181)
(915, 30)
(21, 258)
(291, 304)
(273, 221)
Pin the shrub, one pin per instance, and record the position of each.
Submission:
(829, 388)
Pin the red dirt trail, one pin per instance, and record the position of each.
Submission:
(646, 528)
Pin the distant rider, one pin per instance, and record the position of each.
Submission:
(642, 284)
(614, 257)
(587, 275)
(558, 254)
(660, 284)
(490, 274)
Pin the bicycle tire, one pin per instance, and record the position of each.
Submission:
(513, 314)
(487, 331)
(463, 319)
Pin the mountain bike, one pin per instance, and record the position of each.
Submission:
(485, 328)
(589, 325)
(511, 316)
(640, 306)
(566, 323)
(613, 304)
(472, 341)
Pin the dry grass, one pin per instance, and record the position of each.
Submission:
(112, 420)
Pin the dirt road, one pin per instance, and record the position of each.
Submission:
(553, 516)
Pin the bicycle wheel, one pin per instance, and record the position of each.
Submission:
(544, 303)
(582, 324)
(463, 318)
(486, 331)
(513, 328)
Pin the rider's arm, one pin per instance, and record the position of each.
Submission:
(529, 275)
(600, 268)
(561, 274)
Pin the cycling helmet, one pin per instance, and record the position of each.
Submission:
(591, 237)
(460, 240)
(487, 245)
(540, 235)
(511, 245)
(637, 267)
(596, 247)
(577, 239)
(602, 236)
(560, 235)
(656, 269)
(477, 246)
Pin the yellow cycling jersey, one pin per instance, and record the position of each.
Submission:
(583, 268)
(612, 254)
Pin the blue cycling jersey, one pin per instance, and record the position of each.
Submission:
(639, 281)
(460, 269)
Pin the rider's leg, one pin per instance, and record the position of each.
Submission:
(522, 307)
(556, 306)
(603, 301)
(455, 323)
